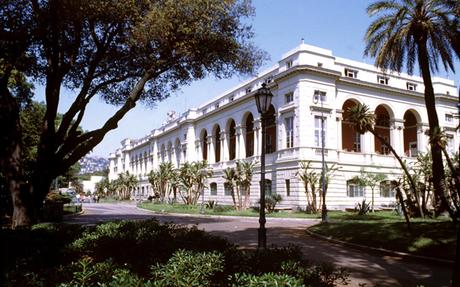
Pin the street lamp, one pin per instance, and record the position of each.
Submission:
(263, 100)
(318, 96)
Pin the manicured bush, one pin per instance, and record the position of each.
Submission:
(187, 269)
(271, 201)
(146, 253)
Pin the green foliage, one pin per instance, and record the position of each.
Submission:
(191, 179)
(211, 204)
(145, 254)
(265, 280)
(181, 269)
(238, 179)
(363, 208)
(163, 180)
(271, 201)
(58, 197)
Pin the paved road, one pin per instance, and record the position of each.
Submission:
(371, 269)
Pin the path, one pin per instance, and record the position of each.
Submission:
(372, 269)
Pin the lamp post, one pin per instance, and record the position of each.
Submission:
(319, 97)
(263, 98)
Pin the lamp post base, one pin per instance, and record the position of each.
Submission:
(262, 236)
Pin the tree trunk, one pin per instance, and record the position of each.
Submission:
(403, 166)
(403, 206)
(436, 155)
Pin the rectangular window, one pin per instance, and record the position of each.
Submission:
(354, 190)
(288, 64)
(216, 106)
(449, 118)
(357, 142)
(213, 187)
(248, 90)
(289, 126)
(351, 73)
(231, 98)
(382, 80)
(411, 86)
(319, 96)
(227, 189)
(386, 190)
(289, 97)
(288, 187)
(318, 129)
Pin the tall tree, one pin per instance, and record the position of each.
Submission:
(121, 51)
(406, 32)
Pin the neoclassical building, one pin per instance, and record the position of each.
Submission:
(308, 84)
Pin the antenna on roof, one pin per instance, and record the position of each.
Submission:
(302, 41)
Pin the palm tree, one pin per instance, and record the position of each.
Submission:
(363, 122)
(410, 31)
(245, 171)
(229, 180)
(309, 178)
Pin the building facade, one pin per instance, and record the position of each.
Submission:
(309, 84)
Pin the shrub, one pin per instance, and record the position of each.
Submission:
(264, 280)
(210, 204)
(58, 197)
(271, 201)
(188, 268)
(363, 208)
(223, 208)
(324, 275)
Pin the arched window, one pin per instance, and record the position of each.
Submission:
(354, 189)
(249, 135)
(217, 144)
(177, 152)
(204, 145)
(410, 134)
(270, 130)
(351, 139)
(387, 189)
(213, 188)
(232, 140)
(382, 128)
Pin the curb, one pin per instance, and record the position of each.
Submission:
(226, 216)
(381, 250)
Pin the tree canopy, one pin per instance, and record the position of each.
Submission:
(121, 51)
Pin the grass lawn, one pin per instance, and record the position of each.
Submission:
(427, 237)
(220, 210)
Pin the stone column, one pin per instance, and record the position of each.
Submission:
(223, 146)
(397, 136)
(423, 140)
(199, 151)
(338, 120)
(211, 155)
(240, 143)
(257, 137)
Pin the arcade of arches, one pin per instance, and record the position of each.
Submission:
(238, 141)
(385, 126)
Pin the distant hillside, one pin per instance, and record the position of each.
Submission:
(91, 164)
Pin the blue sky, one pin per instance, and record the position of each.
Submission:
(279, 26)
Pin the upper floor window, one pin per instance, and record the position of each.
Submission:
(289, 97)
(411, 86)
(289, 126)
(216, 106)
(320, 126)
(248, 90)
(351, 73)
(288, 64)
(231, 98)
(227, 189)
(357, 142)
(382, 80)
(319, 96)
(449, 118)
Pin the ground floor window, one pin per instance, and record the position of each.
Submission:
(354, 189)
(213, 188)
(386, 189)
(227, 189)
(288, 187)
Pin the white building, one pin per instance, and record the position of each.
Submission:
(89, 186)
(306, 83)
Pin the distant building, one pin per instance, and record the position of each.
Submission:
(89, 185)
(308, 83)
